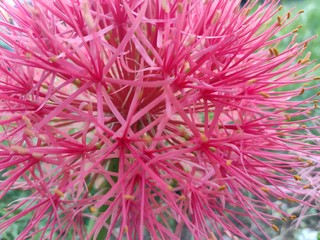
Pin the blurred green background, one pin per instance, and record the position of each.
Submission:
(310, 20)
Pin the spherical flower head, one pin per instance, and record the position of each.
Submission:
(156, 118)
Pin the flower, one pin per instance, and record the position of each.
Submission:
(131, 119)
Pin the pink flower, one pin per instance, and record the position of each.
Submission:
(130, 119)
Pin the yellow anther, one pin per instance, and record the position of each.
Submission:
(212, 236)
(98, 146)
(140, 96)
(279, 21)
(222, 187)
(316, 68)
(264, 94)
(307, 186)
(59, 193)
(305, 59)
(275, 52)
(107, 37)
(93, 209)
(28, 132)
(302, 91)
(212, 149)
(165, 6)
(77, 82)
(204, 138)
(301, 11)
(291, 199)
(182, 198)
(297, 29)
(53, 59)
(292, 217)
(147, 138)
(275, 228)
(271, 51)
(19, 149)
(310, 163)
(252, 81)
(304, 126)
(44, 85)
(229, 163)
(284, 219)
(265, 189)
(288, 15)
(280, 7)
(316, 78)
(186, 66)
(27, 121)
(129, 197)
(180, 8)
(288, 117)
(297, 177)
(169, 187)
(126, 229)
(37, 155)
(216, 17)
(28, 55)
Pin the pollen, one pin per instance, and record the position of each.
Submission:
(27, 121)
(284, 219)
(93, 209)
(129, 197)
(180, 8)
(182, 198)
(19, 149)
(297, 177)
(216, 17)
(204, 138)
(229, 163)
(301, 11)
(222, 187)
(274, 51)
(265, 189)
(288, 15)
(28, 55)
(307, 186)
(264, 94)
(59, 193)
(301, 92)
(77, 82)
(279, 21)
(98, 146)
(296, 29)
(292, 217)
(305, 59)
(147, 138)
(314, 69)
(28, 132)
(165, 6)
(252, 81)
(212, 236)
(212, 149)
(288, 117)
(37, 155)
(275, 228)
